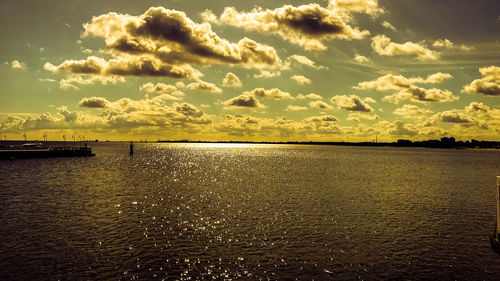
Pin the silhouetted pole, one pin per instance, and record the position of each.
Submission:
(131, 148)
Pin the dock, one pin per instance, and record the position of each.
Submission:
(46, 152)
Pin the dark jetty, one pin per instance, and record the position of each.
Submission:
(46, 152)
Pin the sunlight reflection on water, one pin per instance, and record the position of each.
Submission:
(201, 211)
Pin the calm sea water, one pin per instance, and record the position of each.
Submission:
(207, 211)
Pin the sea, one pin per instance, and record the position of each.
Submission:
(194, 211)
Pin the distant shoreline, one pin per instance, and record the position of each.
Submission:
(443, 143)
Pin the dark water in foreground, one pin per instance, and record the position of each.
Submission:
(192, 211)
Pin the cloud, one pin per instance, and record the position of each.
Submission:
(409, 111)
(383, 46)
(311, 96)
(163, 43)
(407, 90)
(264, 73)
(86, 51)
(324, 124)
(351, 103)
(231, 80)
(301, 80)
(171, 36)
(295, 108)
(159, 88)
(320, 105)
(418, 94)
(94, 102)
(361, 59)
(475, 119)
(388, 25)
(402, 129)
(204, 86)
(280, 128)
(435, 78)
(488, 85)
(166, 90)
(453, 116)
(47, 80)
(358, 116)
(398, 82)
(250, 98)
(126, 114)
(94, 69)
(447, 44)
(347, 7)
(243, 100)
(15, 64)
(307, 25)
(305, 61)
(321, 119)
(274, 93)
(131, 66)
(87, 79)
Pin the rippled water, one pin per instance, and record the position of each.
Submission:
(202, 211)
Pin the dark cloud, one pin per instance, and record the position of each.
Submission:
(175, 39)
(243, 101)
(454, 117)
(403, 129)
(351, 103)
(306, 25)
(93, 102)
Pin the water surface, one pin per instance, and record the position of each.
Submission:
(201, 211)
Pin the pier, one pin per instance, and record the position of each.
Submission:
(46, 152)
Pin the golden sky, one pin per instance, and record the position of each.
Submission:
(349, 70)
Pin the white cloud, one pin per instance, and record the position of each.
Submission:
(388, 25)
(361, 59)
(295, 108)
(488, 85)
(274, 93)
(407, 90)
(305, 61)
(159, 88)
(311, 96)
(320, 105)
(383, 46)
(231, 80)
(15, 64)
(301, 80)
(358, 116)
(204, 86)
(414, 112)
(447, 44)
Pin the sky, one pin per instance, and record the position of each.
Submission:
(338, 70)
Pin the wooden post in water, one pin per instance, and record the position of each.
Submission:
(131, 149)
